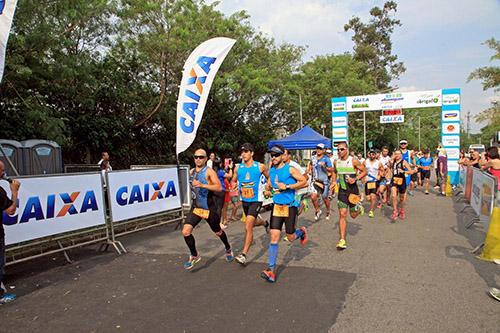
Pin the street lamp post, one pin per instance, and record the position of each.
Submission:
(364, 134)
(323, 126)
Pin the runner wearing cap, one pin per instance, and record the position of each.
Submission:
(406, 156)
(331, 195)
(284, 180)
(320, 167)
(375, 171)
(426, 163)
(204, 183)
(248, 175)
(348, 170)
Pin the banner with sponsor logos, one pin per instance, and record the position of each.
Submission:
(450, 130)
(339, 123)
(392, 119)
(7, 9)
(199, 73)
(483, 195)
(142, 192)
(49, 206)
(396, 100)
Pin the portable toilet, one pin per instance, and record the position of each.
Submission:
(14, 151)
(42, 157)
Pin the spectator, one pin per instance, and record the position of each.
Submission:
(442, 171)
(210, 162)
(9, 206)
(474, 159)
(105, 158)
(492, 164)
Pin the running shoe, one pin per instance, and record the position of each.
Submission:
(7, 298)
(402, 213)
(371, 214)
(394, 216)
(266, 226)
(361, 209)
(192, 261)
(327, 217)
(223, 226)
(268, 275)
(426, 192)
(229, 256)
(303, 239)
(241, 259)
(317, 215)
(341, 245)
(306, 205)
(410, 193)
(379, 206)
(285, 238)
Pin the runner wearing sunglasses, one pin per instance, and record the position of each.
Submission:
(348, 170)
(204, 182)
(248, 175)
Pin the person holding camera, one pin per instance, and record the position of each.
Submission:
(7, 205)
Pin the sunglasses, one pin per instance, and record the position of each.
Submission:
(341, 149)
(199, 157)
(273, 155)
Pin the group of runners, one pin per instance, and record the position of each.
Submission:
(383, 177)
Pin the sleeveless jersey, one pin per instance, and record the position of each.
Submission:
(398, 169)
(199, 195)
(282, 175)
(345, 169)
(249, 181)
(372, 168)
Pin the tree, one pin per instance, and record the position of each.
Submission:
(373, 45)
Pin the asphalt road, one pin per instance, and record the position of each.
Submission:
(416, 275)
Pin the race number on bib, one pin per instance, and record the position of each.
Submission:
(398, 181)
(203, 213)
(371, 185)
(280, 210)
(247, 193)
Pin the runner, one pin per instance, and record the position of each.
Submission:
(320, 166)
(375, 171)
(400, 169)
(406, 155)
(299, 194)
(284, 180)
(248, 174)
(414, 176)
(385, 159)
(426, 163)
(345, 169)
(204, 184)
(331, 195)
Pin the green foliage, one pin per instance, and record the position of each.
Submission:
(490, 75)
(373, 44)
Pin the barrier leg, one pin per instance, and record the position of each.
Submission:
(474, 220)
(477, 248)
(68, 259)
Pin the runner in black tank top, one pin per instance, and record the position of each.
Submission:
(400, 169)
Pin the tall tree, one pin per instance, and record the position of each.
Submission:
(373, 45)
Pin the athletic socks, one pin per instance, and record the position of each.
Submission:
(191, 244)
(299, 233)
(273, 254)
(223, 238)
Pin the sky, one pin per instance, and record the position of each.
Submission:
(440, 42)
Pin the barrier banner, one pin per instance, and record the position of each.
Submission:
(468, 184)
(483, 195)
(199, 73)
(142, 192)
(52, 205)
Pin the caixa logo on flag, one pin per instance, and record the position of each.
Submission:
(2, 6)
(197, 78)
(129, 195)
(38, 208)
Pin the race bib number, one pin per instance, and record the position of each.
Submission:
(247, 193)
(398, 181)
(280, 210)
(371, 185)
(203, 213)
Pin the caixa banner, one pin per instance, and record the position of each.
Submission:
(52, 205)
(142, 192)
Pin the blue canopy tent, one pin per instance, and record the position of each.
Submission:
(305, 138)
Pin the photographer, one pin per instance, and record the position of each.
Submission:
(9, 206)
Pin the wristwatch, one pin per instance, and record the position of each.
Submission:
(288, 187)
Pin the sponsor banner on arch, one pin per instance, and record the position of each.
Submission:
(142, 192)
(49, 206)
(451, 128)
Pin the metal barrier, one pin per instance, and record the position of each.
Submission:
(76, 202)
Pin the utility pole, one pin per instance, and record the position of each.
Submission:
(364, 134)
(468, 124)
(418, 132)
(300, 105)
(397, 143)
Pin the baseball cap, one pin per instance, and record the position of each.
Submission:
(328, 151)
(320, 146)
(247, 146)
(403, 142)
(372, 151)
(275, 149)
